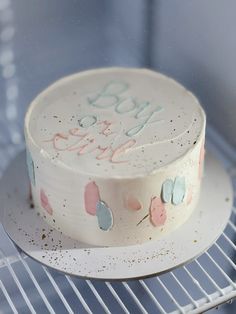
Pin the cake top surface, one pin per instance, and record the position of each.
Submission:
(119, 122)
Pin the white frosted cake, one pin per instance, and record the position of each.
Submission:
(115, 155)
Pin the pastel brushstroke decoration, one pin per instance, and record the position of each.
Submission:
(201, 160)
(91, 198)
(178, 191)
(167, 190)
(45, 202)
(30, 167)
(94, 206)
(157, 212)
(131, 202)
(104, 215)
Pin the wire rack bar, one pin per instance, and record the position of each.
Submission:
(158, 305)
(229, 241)
(40, 291)
(138, 303)
(9, 300)
(217, 301)
(225, 256)
(221, 271)
(11, 259)
(78, 294)
(97, 295)
(170, 295)
(53, 282)
(196, 282)
(183, 288)
(116, 296)
(210, 279)
(232, 225)
(22, 291)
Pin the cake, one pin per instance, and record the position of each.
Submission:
(115, 155)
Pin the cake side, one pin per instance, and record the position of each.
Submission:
(135, 210)
(125, 204)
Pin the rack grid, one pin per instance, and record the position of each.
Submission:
(210, 280)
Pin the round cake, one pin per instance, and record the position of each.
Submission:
(115, 155)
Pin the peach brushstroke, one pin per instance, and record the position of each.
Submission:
(45, 202)
(131, 202)
(91, 198)
(201, 160)
(157, 212)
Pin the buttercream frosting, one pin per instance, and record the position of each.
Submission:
(113, 154)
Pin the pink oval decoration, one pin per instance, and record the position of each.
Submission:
(201, 159)
(45, 203)
(131, 202)
(91, 198)
(157, 212)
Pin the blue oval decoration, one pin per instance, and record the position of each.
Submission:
(87, 121)
(179, 190)
(30, 166)
(167, 190)
(104, 215)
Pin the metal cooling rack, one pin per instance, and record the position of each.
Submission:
(28, 287)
